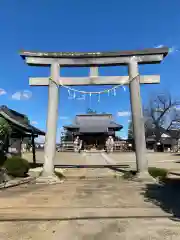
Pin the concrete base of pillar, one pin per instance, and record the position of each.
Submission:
(145, 177)
(48, 179)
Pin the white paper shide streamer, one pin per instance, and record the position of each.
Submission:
(72, 92)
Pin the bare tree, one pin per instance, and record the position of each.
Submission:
(160, 115)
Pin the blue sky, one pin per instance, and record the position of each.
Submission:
(79, 25)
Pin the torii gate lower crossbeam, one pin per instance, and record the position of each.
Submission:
(129, 58)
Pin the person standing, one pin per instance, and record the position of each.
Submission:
(110, 144)
(77, 144)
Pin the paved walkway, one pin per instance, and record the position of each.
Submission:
(90, 204)
(170, 161)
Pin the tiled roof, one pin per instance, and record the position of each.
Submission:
(19, 120)
(94, 123)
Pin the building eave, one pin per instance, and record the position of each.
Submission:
(25, 127)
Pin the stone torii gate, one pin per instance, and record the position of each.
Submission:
(131, 59)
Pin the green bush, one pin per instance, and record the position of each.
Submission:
(17, 167)
(158, 172)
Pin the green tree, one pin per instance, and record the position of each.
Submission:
(5, 132)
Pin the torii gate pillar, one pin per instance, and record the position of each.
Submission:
(52, 116)
(138, 120)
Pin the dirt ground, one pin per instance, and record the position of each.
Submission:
(90, 204)
(125, 229)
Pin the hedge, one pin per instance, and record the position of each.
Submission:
(16, 166)
(160, 173)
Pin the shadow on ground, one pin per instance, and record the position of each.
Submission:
(35, 165)
(175, 154)
(127, 174)
(165, 195)
(121, 168)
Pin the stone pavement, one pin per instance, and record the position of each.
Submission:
(170, 161)
(60, 158)
(90, 204)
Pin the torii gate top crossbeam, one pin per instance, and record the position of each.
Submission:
(146, 56)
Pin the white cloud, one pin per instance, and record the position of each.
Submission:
(40, 139)
(177, 108)
(2, 91)
(172, 49)
(123, 135)
(34, 122)
(123, 114)
(159, 46)
(22, 95)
